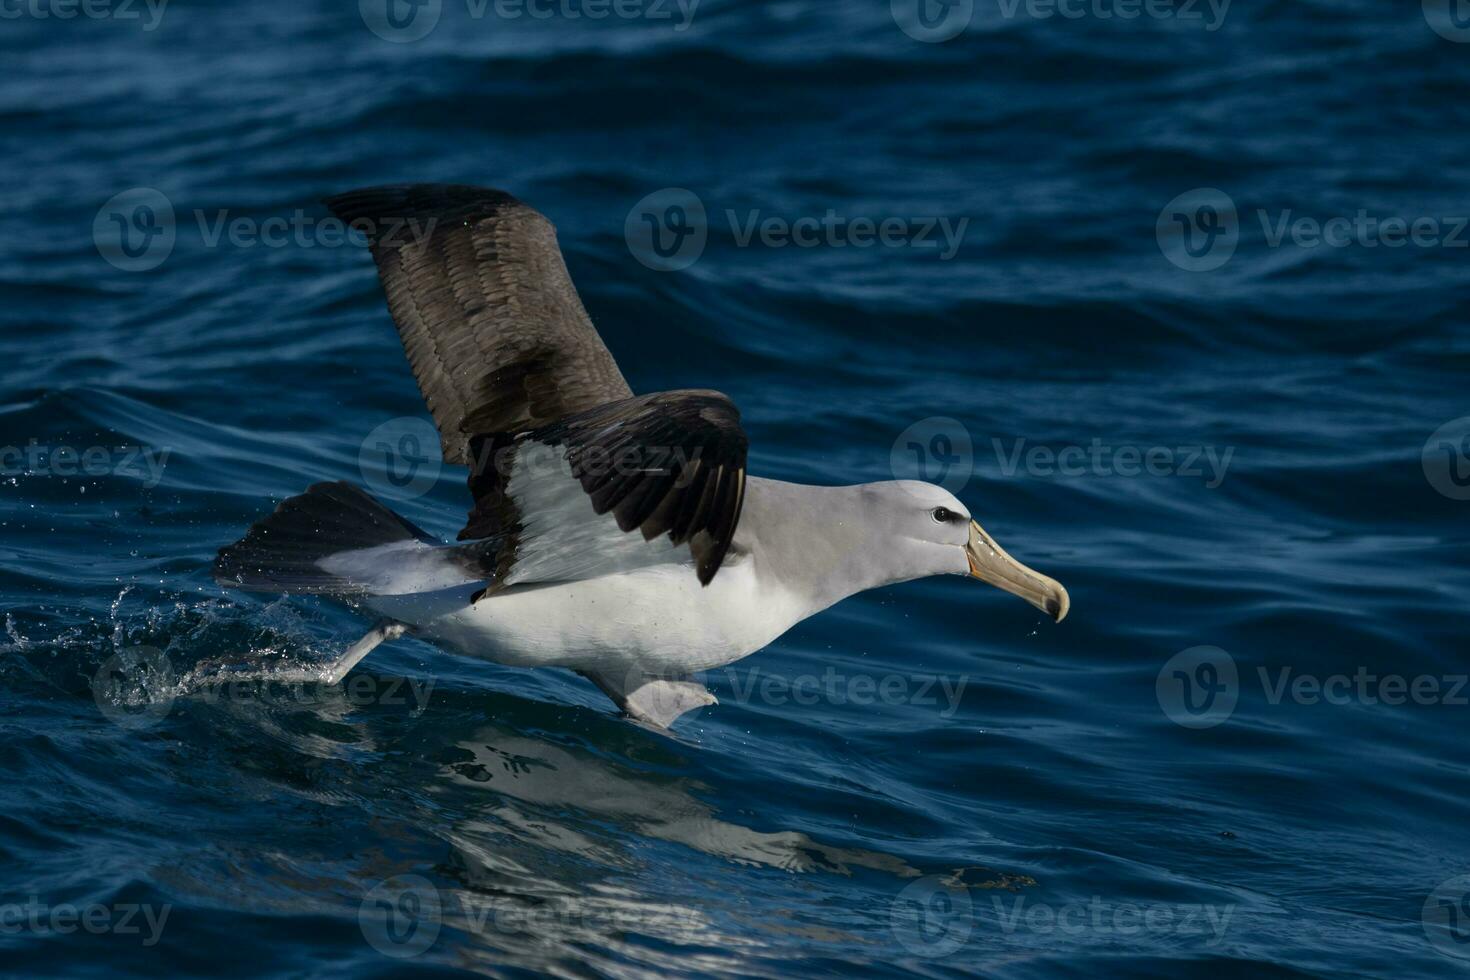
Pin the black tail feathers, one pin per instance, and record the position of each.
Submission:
(282, 552)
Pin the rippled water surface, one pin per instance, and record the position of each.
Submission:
(1240, 451)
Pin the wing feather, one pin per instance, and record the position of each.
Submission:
(508, 362)
(678, 471)
(493, 328)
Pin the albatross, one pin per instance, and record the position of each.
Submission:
(611, 533)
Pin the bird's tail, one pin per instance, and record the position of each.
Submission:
(284, 551)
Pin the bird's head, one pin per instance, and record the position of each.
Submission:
(927, 531)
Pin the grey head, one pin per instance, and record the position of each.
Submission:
(832, 542)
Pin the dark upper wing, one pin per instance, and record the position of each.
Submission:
(493, 328)
(670, 463)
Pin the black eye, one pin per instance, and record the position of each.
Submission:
(942, 515)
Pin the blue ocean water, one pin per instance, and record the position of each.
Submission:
(1239, 441)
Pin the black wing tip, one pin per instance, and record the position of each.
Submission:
(710, 396)
(385, 203)
(710, 565)
(723, 533)
(698, 504)
(709, 555)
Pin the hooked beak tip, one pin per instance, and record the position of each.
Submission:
(990, 563)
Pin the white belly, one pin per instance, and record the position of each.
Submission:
(658, 617)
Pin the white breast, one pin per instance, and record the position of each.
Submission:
(658, 617)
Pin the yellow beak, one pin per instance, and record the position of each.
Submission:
(990, 563)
